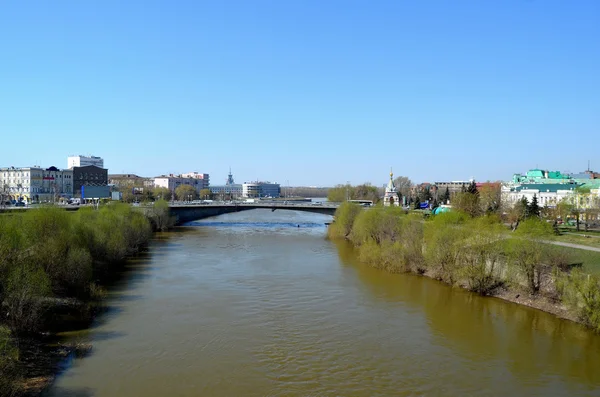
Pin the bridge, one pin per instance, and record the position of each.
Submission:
(184, 213)
(188, 212)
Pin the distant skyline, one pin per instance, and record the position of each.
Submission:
(310, 92)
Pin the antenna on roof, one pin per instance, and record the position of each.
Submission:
(588, 165)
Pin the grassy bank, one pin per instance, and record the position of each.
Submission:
(477, 254)
(52, 264)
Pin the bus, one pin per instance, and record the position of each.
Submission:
(364, 203)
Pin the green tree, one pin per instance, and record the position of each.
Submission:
(185, 193)
(161, 193)
(205, 194)
(446, 196)
(533, 209)
(467, 202)
(472, 188)
(340, 193)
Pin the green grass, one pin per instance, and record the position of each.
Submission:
(590, 259)
(587, 241)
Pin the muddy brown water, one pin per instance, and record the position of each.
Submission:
(259, 303)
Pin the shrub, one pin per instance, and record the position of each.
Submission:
(345, 216)
(582, 292)
(8, 363)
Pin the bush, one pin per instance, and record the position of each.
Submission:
(344, 220)
(9, 356)
(380, 224)
(480, 257)
(582, 292)
(443, 246)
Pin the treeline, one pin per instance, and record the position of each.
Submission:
(366, 191)
(477, 253)
(48, 257)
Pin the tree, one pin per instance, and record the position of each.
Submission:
(468, 203)
(161, 193)
(446, 196)
(366, 191)
(490, 198)
(185, 193)
(205, 194)
(472, 188)
(339, 193)
(403, 185)
(533, 209)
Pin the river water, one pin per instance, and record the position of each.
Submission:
(259, 303)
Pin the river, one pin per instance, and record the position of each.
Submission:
(259, 303)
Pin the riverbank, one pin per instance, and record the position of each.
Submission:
(53, 265)
(477, 255)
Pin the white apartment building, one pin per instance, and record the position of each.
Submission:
(172, 181)
(204, 178)
(261, 189)
(83, 161)
(35, 184)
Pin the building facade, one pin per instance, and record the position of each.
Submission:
(35, 184)
(391, 197)
(172, 182)
(121, 180)
(84, 161)
(204, 179)
(260, 189)
(90, 176)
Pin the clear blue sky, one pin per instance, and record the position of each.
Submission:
(310, 92)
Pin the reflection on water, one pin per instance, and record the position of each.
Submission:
(250, 304)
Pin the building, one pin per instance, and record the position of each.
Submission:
(83, 161)
(391, 197)
(548, 194)
(172, 182)
(88, 176)
(203, 179)
(229, 190)
(121, 180)
(453, 186)
(35, 184)
(260, 189)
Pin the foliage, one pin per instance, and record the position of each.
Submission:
(9, 356)
(480, 257)
(403, 185)
(161, 193)
(160, 215)
(443, 243)
(49, 252)
(467, 202)
(582, 292)
(341, 193)
(535, 228)
(345, 216)
(490, 198)
(533, 209)
(446, 196)
(205, 194)
(186, 193)
(379, 224)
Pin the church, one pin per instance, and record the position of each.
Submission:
(391, 197)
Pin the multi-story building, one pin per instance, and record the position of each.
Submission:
(172, 182)
(229, 190)
(35, 184)
(453, 186)
(90, 175)
(83, 161)
(261, 189)
(203, 178)
(120, 180)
